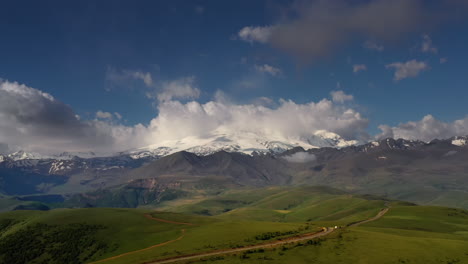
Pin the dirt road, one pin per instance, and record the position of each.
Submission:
(235, 250)
(300, 238)
(266, 245)
(379, 215)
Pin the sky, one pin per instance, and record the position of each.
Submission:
(116, 75)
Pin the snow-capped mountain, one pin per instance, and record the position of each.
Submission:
(243, 142)
(24, 155)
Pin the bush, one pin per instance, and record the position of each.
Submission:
(72, 243)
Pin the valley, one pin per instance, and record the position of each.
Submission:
(366, 231)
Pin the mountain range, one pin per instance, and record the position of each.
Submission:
(423, 172)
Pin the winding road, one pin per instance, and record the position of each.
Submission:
(303, 237)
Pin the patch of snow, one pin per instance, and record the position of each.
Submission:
(459, 142)
(239, 141)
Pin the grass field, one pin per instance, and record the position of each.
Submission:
(406, 234)
(125, 230)
(287, 204)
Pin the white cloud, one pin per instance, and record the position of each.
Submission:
(255, 34)
(443, 60)
(426, 129)
(407, 69)
(341, 97)
(369, 44)
(289, 120)
(427, 45)
(107, 115)
(359, 67)
(265, 68)
(300, 157)
(103, 115)
(34, 120)
(183, 88)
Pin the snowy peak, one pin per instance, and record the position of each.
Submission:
(460, 141)
(243, 142)
(391, 144)
(23, 155)
(323, 138)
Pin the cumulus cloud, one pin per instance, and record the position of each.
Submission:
(33, 120)
(372, 45)
(341, 97)
(255, 34)
(36, 121)
(426, 129)
(103, 115)
(407, 69)
(107, 115)
(265, 68)
(359, 67)
(289, 120)
(427, 45)
(183, 88)
(300, 157)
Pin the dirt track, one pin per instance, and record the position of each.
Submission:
(266, 245)
(379, 215)
(235, 250)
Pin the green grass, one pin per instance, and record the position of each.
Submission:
(287, 204)
(213, 236)
(406, 234)
(125, 230)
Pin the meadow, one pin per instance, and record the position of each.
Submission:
(405, 234)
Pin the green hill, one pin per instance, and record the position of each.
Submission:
(405, 234)
(287, 204)
(82, 235)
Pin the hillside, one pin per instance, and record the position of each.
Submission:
(406, 234)
(137, 236)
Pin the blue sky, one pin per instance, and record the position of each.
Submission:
(86, 54)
